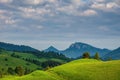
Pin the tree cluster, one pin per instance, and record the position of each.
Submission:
(19, 70)
(34, 61)
(50, 63)
(14, 55)
(87, 55)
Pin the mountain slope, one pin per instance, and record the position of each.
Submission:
(115, 54)
(78, 48)
(51, 49)
(85, 69)
(20, 48)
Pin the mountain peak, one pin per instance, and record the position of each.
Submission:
(78, 48)
(51, 48)
(79, 45)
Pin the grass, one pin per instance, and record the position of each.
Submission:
(84, 69)
(89, 70)
(13, 62)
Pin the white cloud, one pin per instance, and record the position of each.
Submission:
(27, 10)
(98, 6)
(43, 11)
(10, 21)
(111, 5)
(37, 2)
(52, 1)
(98, 0)
(71, 10)
(6, 1)
(89, 12)
(66, 9)
(33, 2)
(108, 6)
(78, 2)
(35, 13)
(6, 17)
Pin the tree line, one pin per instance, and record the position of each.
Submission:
(18, 70)
(44, 64)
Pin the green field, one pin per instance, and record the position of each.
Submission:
(84, 69)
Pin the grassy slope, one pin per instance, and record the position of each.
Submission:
(31, 56)
(77, 70)
(13, 62)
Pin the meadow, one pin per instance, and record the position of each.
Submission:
(82, 69)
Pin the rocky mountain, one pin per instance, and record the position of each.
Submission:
(78, 48)
(115, 54)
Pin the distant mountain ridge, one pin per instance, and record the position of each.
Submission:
(78, 48)
(19, 48)
(115, 55)
(75, 50)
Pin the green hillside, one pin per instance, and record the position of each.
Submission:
(84, 69)
(6, 60)
(31, 56)
(10, 59)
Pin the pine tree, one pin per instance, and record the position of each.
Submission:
(96, 56)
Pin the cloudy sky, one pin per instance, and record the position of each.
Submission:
(41, 23)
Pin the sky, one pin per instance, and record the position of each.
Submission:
(42, 23)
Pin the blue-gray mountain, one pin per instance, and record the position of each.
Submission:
(51, 49)
(19, 48)
(115, 54)
(29, 50)
(77, 49)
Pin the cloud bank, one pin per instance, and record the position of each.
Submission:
(51, 20)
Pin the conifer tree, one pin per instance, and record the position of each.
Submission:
(96, 56)
(86, 55)
(19, 70)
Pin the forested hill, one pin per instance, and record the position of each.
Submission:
(19, 48)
